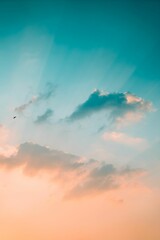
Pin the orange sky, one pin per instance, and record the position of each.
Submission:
(33, 208)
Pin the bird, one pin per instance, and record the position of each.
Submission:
(14, 117)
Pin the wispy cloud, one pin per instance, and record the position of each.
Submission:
(118, 105)
(123, 138)
(43, 96)
(24, 106)
(44, 117)
(48, 93)
(84, 176)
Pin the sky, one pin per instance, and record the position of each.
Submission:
(81, 158)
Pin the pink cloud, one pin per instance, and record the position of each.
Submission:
(6, 149)
(122, 138)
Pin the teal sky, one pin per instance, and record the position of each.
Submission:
(122, 36)
(76, 47)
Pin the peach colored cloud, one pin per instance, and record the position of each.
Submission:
(123, 138)
(6, 150)
(79, 176)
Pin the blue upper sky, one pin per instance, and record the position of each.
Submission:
(126, 29)
(76, 47)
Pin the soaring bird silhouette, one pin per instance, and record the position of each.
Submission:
(14, 117)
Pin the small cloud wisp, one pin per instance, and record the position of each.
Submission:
(47, 94)
(44, 117)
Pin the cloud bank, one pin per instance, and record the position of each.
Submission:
(119, 106)
(37, 157)
(83, 176)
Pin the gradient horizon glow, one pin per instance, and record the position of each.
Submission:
(81, 159)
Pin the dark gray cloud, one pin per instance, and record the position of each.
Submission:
(88, 176)
(44, 117)
(49, 92)
(116, 104)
